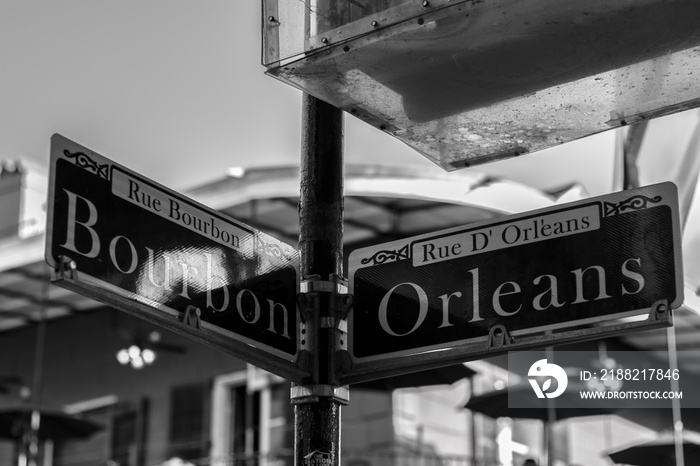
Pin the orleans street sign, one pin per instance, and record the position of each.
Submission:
(143, 248)
(445, 296)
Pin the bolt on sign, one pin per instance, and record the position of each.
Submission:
(131, 243)
(528, 280)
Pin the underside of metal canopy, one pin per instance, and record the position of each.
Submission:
(469, 82)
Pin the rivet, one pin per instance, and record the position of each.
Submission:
(426, 3)
(324, 40)
(375, 24)
(271, 19)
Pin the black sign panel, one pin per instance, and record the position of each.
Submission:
(132, 243)
(601, 259)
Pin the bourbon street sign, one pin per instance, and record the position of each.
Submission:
(140, 247)
(564, 273)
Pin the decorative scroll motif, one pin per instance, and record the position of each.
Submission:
(84, 161)
(381, 257)
(265, 286)
(270, 249)
(638, 202)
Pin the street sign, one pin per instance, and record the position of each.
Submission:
(138, 246)
(523, 281)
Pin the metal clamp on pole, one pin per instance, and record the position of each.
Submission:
(309, 298)
(341, 306)
(335, 285)
(312, 393)
(339, 301)
(315, 293)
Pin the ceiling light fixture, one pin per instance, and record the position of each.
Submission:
(136, 357)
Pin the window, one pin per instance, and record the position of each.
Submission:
(188, 437)
(281, 425)
(252, 420)
(245, 435)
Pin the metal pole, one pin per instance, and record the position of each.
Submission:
(675, 403)
(317, 416)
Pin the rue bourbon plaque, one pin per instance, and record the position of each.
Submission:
(138, 246)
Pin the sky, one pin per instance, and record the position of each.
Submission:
(175, 90)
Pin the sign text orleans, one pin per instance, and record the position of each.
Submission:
(570, 265)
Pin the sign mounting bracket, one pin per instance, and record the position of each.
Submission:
(499, 336)
(65, 269)
(659, 310)
(313, 291)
